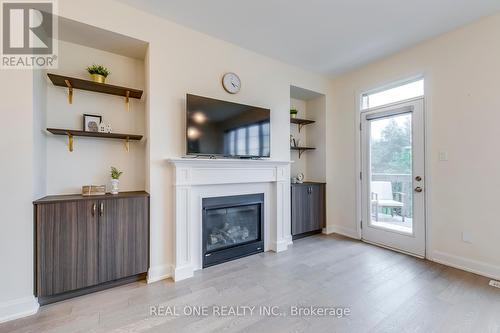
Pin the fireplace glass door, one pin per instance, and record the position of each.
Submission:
(231, 226)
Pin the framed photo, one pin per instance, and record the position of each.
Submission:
(91, 122)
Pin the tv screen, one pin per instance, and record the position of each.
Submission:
(226, 129)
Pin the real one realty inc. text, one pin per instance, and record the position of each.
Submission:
(249, 310)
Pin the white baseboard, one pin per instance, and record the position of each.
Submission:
(158, 273)
(280, 246)
(18, 308)
(337, 229)
(183, 272)
(469, 265)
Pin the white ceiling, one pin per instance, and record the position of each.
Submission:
(325, 36)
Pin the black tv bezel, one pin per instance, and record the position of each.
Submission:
(223, 155)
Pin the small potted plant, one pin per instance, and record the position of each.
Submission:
(115, 176)
(293, 113)
(98, 73)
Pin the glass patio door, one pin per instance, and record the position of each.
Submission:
(393, 202)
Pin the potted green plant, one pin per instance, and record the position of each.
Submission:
(293, 113)
(98, 73)
(115, 182)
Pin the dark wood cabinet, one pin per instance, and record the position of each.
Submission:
(308, 209)
(84, 242)
(67, 247)
(124, 242)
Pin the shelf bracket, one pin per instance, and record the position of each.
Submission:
(70, 91)
(70, 142)
(300, 127)
(301, 151)
(127, 144)
(127, 101)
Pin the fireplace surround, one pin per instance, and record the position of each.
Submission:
(232, 227)
(197, 179)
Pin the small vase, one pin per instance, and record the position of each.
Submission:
(293, 115)
(114, 186)
(98, 78)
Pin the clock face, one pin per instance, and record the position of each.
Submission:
(231, 82)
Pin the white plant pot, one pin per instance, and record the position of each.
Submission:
(114, 186)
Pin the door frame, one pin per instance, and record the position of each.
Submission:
(413, 242)
(427, 157)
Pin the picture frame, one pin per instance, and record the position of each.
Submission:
(91, 122)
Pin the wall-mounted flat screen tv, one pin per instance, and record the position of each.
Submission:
(220, 128)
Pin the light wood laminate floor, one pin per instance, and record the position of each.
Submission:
(384, 290)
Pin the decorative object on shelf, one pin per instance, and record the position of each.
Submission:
(98, 73)
(108, 128)
(102, 127)
(294, 180)
(300, 178)
(91, 122)
(115, 176)
(293, 142)
(89, 190)
(231, 83)
(293, 113)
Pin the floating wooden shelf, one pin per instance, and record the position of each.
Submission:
(301, 122)
(71, 133)
(301, 150)
(104, 88)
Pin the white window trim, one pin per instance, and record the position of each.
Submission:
(388, 86)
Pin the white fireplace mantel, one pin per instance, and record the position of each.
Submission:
(195, 179)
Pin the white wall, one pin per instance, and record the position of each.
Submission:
(179, 61)
(92, 158)
(16, 194)
(39, 136)
(461, 72)
(316, 134)
(299, 165)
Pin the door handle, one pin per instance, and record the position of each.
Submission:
(101, 209)
(418, 189)
(93, 209)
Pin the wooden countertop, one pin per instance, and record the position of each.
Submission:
(78, 197)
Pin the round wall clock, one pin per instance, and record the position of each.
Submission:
(231, 83)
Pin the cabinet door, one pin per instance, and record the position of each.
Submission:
(317, 194)
(124, 230)
(66, 241)
(300, 209)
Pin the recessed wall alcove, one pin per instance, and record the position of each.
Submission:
(311, 107)
(59, 171)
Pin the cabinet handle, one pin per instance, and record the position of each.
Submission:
(93, 209)
(101, 209)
